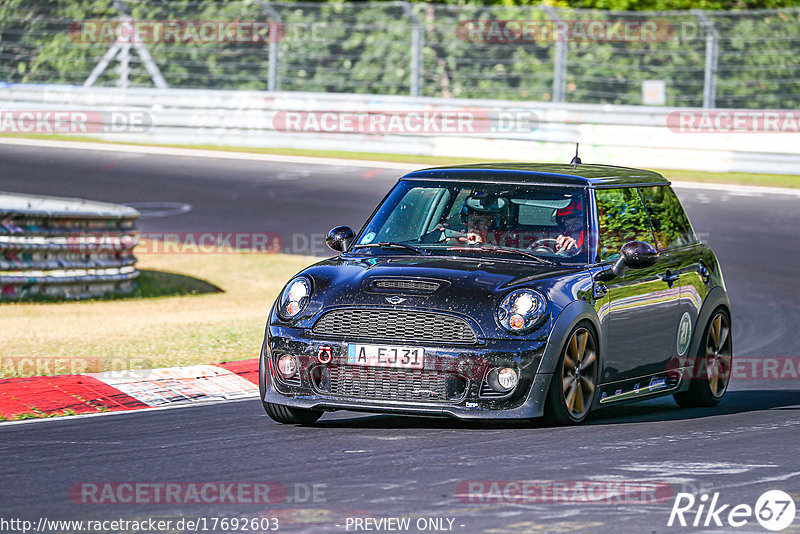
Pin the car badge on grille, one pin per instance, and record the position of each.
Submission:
(395, 300)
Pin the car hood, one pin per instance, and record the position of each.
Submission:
(466, 286)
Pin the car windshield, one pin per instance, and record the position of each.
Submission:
(458, 218)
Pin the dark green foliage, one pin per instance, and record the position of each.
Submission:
(364, 47)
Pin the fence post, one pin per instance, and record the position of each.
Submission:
(712, 57)
(124, 67)
(273, 77)
(123, 53)
(417, 43)
(559, 60)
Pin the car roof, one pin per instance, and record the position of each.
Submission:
(598, 176)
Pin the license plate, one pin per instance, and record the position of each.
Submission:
(385, 356)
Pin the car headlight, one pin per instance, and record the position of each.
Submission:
(521, 310)
(294, 298)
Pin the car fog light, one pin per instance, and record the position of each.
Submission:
(287, 366)
(507, 378)
(502, 379)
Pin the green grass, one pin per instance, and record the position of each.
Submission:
(38, 414)
(769, 180)
(27, 415)
(739, 178)
(188, 309)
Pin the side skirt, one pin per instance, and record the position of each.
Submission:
(635, 389)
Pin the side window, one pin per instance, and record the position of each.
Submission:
(622, 218)
(671, 225)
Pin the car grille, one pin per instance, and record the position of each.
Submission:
(393, 325)
(402, 285)
(391, 384)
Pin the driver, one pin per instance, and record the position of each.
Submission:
(480, 214)
(477, 227)
(570, 221)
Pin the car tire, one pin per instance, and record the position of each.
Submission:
(573, 386)
(283, 414)
(712, 367)
(291, 416)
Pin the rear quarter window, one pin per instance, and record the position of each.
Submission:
(671, 225)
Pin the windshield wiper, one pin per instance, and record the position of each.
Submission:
(394, 244)
(507, 250)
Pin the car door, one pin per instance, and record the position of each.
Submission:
(677, 244)
(642, 304)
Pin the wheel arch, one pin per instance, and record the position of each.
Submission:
(575, 312)
(717, 298)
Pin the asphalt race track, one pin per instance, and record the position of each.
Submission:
(387, 466)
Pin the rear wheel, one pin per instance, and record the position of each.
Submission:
(573, 385)
(712, 369)
(291, 416)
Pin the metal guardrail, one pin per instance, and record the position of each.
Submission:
(65, 248)
(631, 135)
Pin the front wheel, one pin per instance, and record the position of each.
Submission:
(712, 369)
(291, 416)
(573, 385)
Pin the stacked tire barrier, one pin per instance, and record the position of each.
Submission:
(65, 248)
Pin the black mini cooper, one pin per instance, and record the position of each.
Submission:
(504, 291)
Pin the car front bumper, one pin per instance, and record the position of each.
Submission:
(460, 371)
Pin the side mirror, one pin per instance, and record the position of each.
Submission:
(339, 238)
(635, 255)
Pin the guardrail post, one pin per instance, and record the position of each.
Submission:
(417, 43)
(559, 60)
(712, 58)
(273, 76)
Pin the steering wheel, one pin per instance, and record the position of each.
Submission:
(547, 243)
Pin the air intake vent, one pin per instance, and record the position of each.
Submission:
(488, 393)
(405, 285)
(395, 384)
(673, 379)
(395, 325)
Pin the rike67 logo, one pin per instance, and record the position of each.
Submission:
(774, 510)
